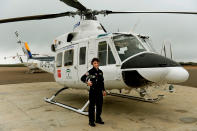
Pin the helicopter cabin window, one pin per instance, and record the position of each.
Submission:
(59, 60)
(68, 58)
(82, 56)
(104, 52)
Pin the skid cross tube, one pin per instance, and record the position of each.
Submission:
(52, 101)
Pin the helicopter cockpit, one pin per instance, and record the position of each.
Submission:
(127, 45)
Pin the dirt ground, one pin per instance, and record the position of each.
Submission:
(190, 67)
(192, 81)
(13, 75)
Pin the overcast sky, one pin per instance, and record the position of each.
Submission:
(179, 30)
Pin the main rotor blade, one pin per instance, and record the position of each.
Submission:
(149, 12)
(35, 17)
(75, 4)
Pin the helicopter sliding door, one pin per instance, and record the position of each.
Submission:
(70, 69)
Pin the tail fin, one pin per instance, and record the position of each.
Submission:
(24, 46)
(28, 52)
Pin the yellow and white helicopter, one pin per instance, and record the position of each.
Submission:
(127, 60)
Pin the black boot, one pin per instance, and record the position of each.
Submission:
(92, 124)
(99, 121)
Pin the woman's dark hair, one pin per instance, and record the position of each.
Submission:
(94, 59)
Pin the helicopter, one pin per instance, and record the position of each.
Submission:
(128, 60)
(35, 62)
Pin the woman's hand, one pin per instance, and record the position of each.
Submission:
(89, 83)
(104, 93)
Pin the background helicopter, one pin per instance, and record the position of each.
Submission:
(34, 61)
(127, 59)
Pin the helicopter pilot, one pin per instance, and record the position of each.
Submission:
(94, 79)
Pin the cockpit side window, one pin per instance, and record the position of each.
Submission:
(59, 60)
(102, 52)
(105, 54)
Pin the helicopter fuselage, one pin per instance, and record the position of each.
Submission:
(126, 59)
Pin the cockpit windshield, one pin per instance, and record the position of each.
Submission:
(127, 45)
(147, 42)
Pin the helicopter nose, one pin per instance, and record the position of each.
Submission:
(152, 68)
(170, 75)
(176, 75)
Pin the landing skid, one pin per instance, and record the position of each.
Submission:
(80, 111)
(153, 100)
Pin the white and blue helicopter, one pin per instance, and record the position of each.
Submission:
(128, 60)
(35, 62)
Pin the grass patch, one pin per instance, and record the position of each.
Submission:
(188, 63)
